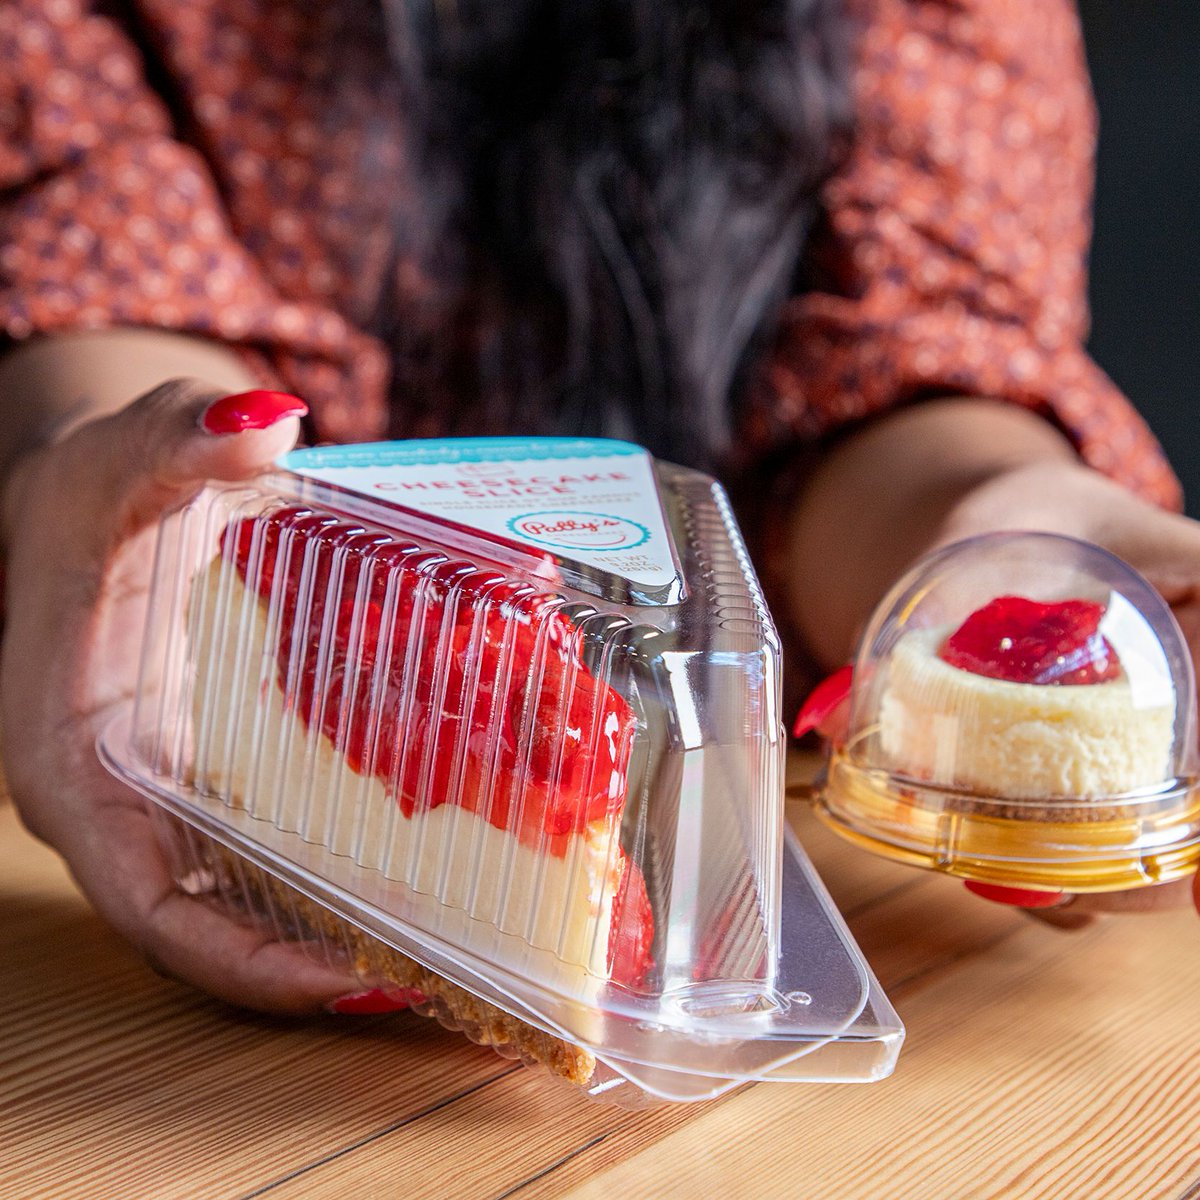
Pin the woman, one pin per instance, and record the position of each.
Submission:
(689, 223)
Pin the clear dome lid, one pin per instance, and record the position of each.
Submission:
(1020, 699)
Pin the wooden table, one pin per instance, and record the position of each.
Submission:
(1040, 1065)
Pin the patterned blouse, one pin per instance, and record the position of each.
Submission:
(232, 169)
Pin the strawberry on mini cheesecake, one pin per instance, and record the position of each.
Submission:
(1027, 641)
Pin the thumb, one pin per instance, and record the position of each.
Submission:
(161, 449)
(69, 507)
(116, 475)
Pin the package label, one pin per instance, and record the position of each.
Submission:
(590, 502)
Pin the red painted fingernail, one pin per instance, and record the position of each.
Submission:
(375, 1001)
(822, 701)
(251, 410)
(1021, 897)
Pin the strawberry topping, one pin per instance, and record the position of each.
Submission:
(446, 681)
(631, 932)
(452, 685)
(1026, 641)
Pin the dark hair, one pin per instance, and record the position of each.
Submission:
(623, 189)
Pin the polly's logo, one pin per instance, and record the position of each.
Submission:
(579, 531)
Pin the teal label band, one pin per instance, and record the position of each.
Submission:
(430, 452)
(590, 503)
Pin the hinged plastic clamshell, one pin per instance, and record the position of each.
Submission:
(498, 720)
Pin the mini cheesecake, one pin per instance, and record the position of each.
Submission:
(435, 722)
(1023, 700)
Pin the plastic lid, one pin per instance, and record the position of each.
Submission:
(1023, 711)
(443, 733)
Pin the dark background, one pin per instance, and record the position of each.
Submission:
(1145, 63)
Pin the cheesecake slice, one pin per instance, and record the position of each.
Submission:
(1023, 700)
(434, 721)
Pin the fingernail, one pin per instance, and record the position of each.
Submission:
(1021, 897)
(250, 410)
(375, 1001)
(822, 701)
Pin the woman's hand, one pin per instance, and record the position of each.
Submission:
(79, 521)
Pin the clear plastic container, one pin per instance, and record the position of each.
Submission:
(1022, 712)
(498, 722)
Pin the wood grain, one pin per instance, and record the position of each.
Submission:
(1040, 1066)
(1035, 1071)
(114, 1082)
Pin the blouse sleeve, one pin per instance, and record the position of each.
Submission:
(952, 255)
(107, 219)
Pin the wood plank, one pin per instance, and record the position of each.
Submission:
(1040, 1066)
(1051, 1067)
(520, 1128)
(854, 879)
(540, 1137)
(114, 1082)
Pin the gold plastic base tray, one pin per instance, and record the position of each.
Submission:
(1116, 845)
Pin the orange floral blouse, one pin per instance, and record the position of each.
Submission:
(233, 168)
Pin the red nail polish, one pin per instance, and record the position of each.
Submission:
(1021, 897)
(250, 410)
(822, 701)
(363, 1004)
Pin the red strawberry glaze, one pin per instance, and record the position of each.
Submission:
(1026, 641)
(403, 650)
(631, 931)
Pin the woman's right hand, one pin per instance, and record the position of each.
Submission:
(79, 522)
